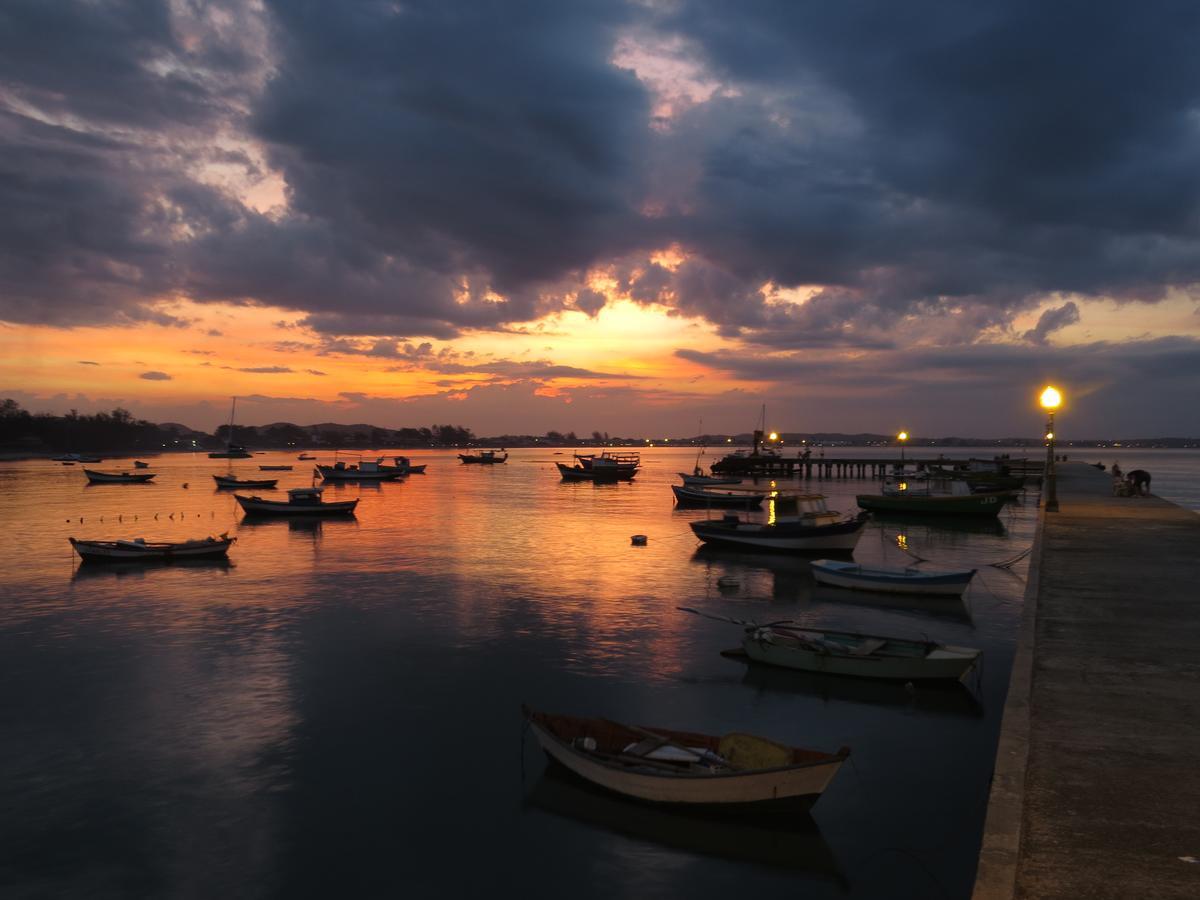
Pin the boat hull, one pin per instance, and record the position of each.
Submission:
(262, 483)
(352, 475)
(946, 664)
(964, 505)
(951, 584)
(126, 551)
(841, 536)
(700, 497)
(117, 478)
(745, 791)
(578, 473)
(259, 507)
(707, 480)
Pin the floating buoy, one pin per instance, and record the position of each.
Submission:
(639, 540)
(185, 484)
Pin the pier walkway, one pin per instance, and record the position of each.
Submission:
(1096, 791)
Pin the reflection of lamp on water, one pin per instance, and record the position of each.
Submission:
(902, 437)
(1051, 400)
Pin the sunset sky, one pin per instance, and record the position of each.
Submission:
(522, 216)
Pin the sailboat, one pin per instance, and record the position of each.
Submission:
(232, 450)
(698, 478)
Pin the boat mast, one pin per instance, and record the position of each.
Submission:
(229, 437)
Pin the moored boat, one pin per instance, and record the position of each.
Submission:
(232, 481)
(275, 468)
(908, 580)
(925, 496)
(138, 464)
(794, 645)
(365, 470)
(141, 549)
(621, 464)
(305, 456)
(687, 770)
(698, 480)
(695, 496)
(484, 457)
(300, 502)
(96, 477)
(812, 526)
(406, 465)
(232, 450)
(608, 474)
(76, 458)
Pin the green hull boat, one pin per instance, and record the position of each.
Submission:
(984, 504)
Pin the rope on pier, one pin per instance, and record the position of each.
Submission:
(1006, 563)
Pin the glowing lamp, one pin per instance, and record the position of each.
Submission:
(1051, 399)
(774, 435)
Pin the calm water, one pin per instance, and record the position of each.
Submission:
(336, 711)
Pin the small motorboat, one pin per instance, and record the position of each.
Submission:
(403, 462)
(624, 464)
(794, 645)
(300, 502)
(484, 457)
(812, 526)
(698, 496)
(938, 496)
(699, 480)
(274, 468)
(365, 470)
(605, 474)
(138, 464)
(95, 477)
(908, 580)
(305, 456)
(735, 773)
(141, 549)
(232, 481)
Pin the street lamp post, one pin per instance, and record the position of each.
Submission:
(902, 437)
(1050, 399)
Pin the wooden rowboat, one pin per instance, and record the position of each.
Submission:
(300, 502)
(909, 580)
(808, 532)
(117, 477)
(693, 496)
(140, 549)
(232, 481)
(686, 770)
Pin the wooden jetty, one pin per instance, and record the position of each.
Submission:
(794, 467)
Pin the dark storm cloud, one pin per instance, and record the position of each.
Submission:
(1052, 320)
(458, 166)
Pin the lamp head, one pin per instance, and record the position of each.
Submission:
(1050, 399)
(774, 436)
(902, 436)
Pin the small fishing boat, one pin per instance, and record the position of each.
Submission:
(138, 464)
(702, 497)
(939, 496)
(698, 480)
(141, 549)
(305, 456)
(232, 481)
(275, 468)
(812, 526)
(484, 457)
(96, 477)
(606, 474)
(76, 458)
(404, 463)
(365, 470)
(794, 645)
(300, 502)
(735, 772)
(625, 465)
(908, 580)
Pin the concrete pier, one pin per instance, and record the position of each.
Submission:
(1096, 791)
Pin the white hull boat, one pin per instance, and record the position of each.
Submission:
(140, 549)
(117, 477)
(735, 772)
(910, 580)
